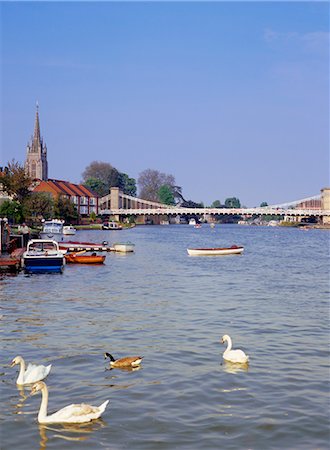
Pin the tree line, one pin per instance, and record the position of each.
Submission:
(151, 185)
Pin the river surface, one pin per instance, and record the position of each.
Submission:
(173, 309)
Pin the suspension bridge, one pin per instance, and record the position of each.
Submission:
(116, 203)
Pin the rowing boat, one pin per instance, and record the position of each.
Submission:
(233, 250)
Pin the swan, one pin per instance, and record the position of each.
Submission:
(127, 361)
(32, 374)
(75, 413)
(234, 356)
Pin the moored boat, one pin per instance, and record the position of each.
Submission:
(69, 230)
(82, 258)
(111, 226)
(215, 251)
(43, 256)
(52, 229)
(123, 247)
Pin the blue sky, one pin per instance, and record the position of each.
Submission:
(232, 98)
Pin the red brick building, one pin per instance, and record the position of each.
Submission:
(82, 197)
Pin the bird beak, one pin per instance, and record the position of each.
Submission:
(222, 341)
(12, 364)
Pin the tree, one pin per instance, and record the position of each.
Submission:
(127, 184)
(103, 172)
(232, 202)
(65, 209)
(39, 204)
(12, 210)
(216, 204)
(150, 181)
(165, 195)
(263, 204)
(15, 181)
(97, 186)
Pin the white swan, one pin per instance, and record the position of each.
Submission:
(234, 356)
(32, 374)
(75, 413)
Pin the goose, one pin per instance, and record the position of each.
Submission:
(32, 374)
(234, 356)
(127, 361)
(75, 413)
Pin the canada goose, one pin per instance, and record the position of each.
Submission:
(127, 361)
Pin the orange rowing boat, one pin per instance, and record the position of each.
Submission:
(76, 258)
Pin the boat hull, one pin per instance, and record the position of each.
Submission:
(43, 265)
(234, 250)
(84, 259)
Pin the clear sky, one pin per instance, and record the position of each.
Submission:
(232, 98)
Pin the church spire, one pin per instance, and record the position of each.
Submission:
(36, 159)
(36, 136)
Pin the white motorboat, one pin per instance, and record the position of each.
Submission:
(52, 229)
(43, 256)
(69, 230)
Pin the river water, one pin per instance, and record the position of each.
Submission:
(173, 309)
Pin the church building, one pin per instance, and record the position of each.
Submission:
(36, 154)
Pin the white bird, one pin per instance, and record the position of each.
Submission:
(234, 356)
(75, 413)
(32, 374)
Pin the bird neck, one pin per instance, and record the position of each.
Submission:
(111, 357)
(20, 379)
(44, 403)
(229, 344)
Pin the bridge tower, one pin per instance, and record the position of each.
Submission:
(325, 203)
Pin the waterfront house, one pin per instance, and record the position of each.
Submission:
(84, 199)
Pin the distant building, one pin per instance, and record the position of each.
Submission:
(36, 164)
(85, 200)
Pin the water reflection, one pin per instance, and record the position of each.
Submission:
(124, 369)
(230, 367)
(68, 432)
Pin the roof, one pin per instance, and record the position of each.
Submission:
(60, 187)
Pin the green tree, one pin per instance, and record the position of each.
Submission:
(216, 204)
(96, 185)
(232, 202)
(103, 172)
(65, 209)
(12, 210)
(263, 204)
(15, 181)
(127, 184)
(38, 204)
(165, 195)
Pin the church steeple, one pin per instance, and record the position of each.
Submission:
(36, 136)
(36, 159)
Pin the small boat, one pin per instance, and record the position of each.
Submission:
(233, 250)
(123, 247)
(192, 221)
(69, 230)
(198, 225)
(111, 226)
(82, 258)
(43, 256)
(52, 229)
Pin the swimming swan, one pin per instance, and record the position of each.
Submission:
(234, 356)
(75, 413)
(127, 361)
(32, 374)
